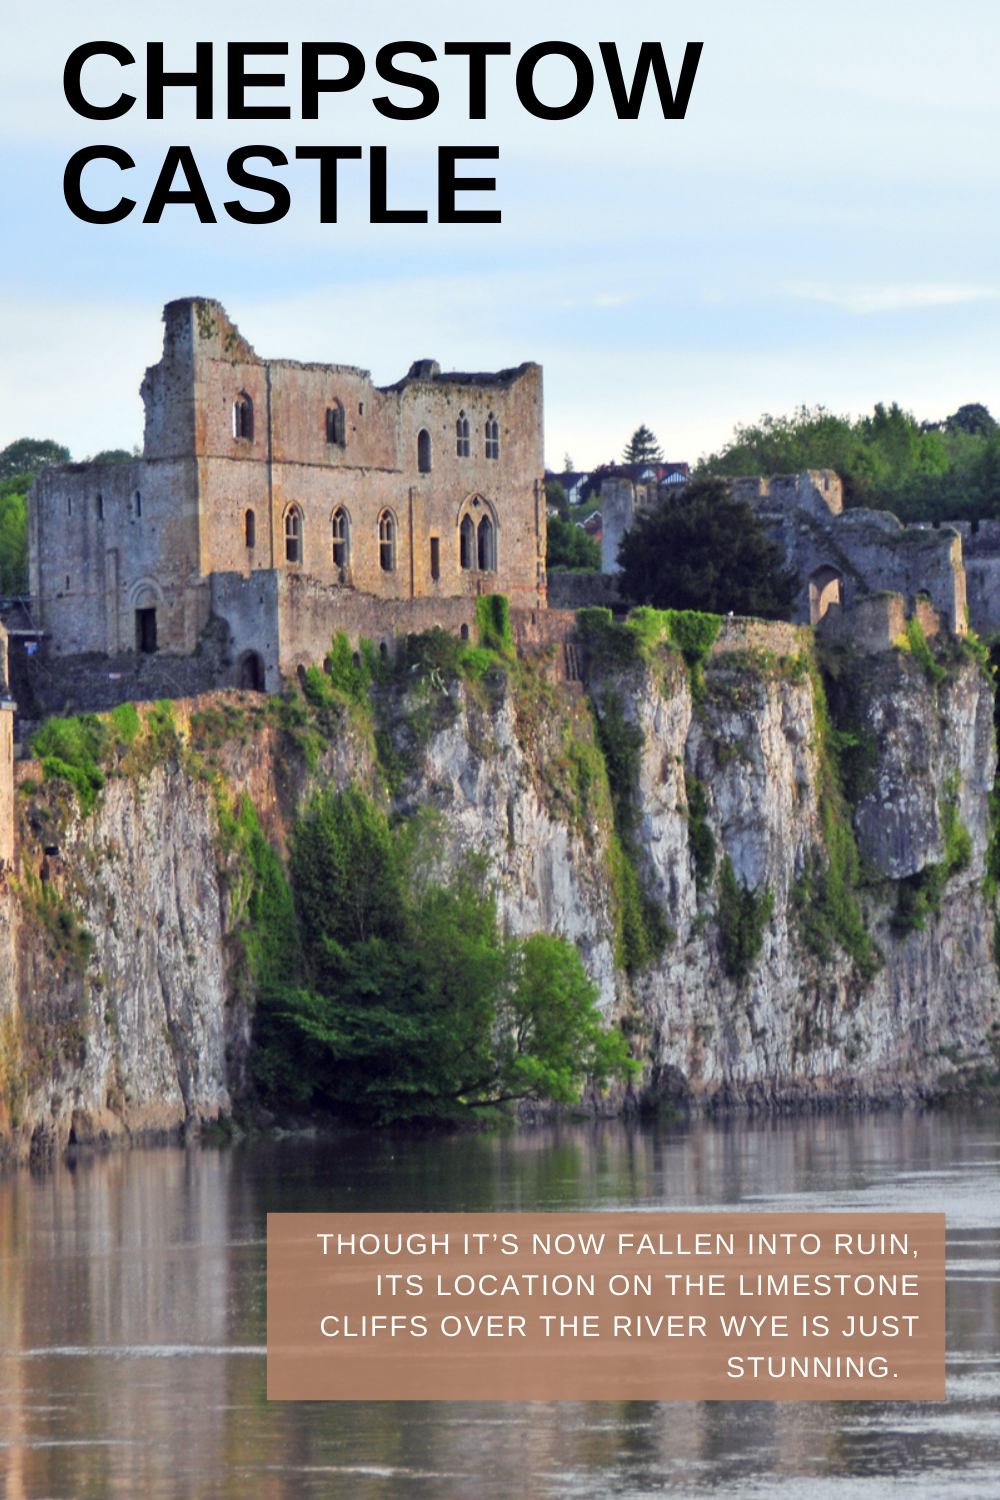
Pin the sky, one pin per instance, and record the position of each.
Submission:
(821, 227)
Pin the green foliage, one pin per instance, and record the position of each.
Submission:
(68, 942)
(701, 839)
(262, 912)
(493, 623)
(126, 723)
(888, 461)
(825, 897)
(14, 536)
(85, 781)
(410, 1003)
(610, 646)
(642, 447)
(569, 548)
(693, 632)
(919, 896)
(702, 550)
(643, 931)
(556, 497)
(69, 749)
(916, 643)
(344, 872)
(114, 456)
(614, 647)
(353, 678)
(30, 456)
(552, 1036)
(742, 915)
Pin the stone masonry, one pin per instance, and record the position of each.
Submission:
(265, 480)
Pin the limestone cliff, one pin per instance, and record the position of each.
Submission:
(781, 909)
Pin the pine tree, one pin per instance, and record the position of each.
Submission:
(643, 448)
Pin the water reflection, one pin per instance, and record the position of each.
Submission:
(132, 1317)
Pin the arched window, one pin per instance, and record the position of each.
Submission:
(341, 538)
(462, 445)
(293, 535)
(243, 417)
(424, 451)
(467, 543)
(250, 528)
(387, 541)
(492, 437)
(487, 538)
(336, 427)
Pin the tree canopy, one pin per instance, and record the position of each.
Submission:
(887, 460)
(29, 456)
(702, 549)
(642, 447)
(569, 547)
(408, 1001)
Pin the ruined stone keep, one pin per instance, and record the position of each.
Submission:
(289, 499)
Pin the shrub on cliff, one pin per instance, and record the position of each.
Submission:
(701, 549)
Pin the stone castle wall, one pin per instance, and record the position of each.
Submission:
(253, 466)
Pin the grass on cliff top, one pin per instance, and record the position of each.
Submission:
(614, 646)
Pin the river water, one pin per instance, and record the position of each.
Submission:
(132, 1322)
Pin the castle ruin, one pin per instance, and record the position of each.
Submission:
(290, 500)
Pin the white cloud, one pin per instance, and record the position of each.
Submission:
(892, 296)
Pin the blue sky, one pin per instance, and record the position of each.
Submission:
(822, 227)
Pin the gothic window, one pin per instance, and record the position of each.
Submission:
(424, 451)
(243, 417)
(462, 445)
(387, 541)
(492, 437)
(250, 528)
(336, 428)
(487, 550)
(467, 543)
(341, 539)
(293, 535)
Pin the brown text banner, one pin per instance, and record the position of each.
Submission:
(605, 1306)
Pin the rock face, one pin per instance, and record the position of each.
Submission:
(772, 978)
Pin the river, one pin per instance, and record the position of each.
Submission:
(132, 1321)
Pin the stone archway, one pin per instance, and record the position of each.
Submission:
(250, 672)
(824, 590)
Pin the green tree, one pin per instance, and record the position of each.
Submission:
(410, 1002)
(887, 460)
(115, 456)
(973, 417)
(30, 455)
(643, 448)
(14, 536)
(556, 496)
(702, 549)
(568, 547)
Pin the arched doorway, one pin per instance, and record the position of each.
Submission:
(824, 590)
(251, 672)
